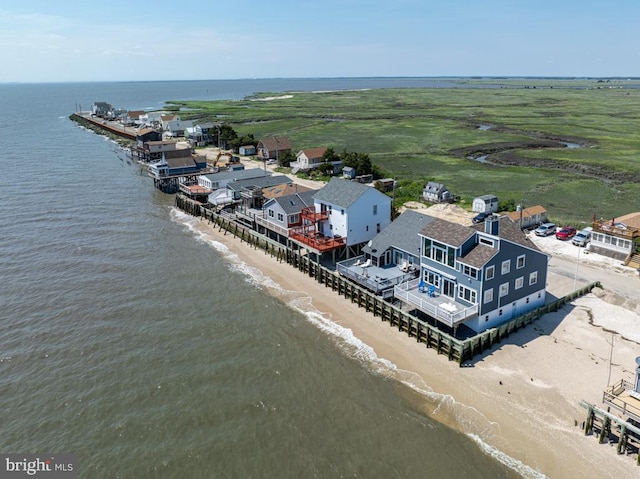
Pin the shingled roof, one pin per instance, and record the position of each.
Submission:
(342, 192)
(446, 232)
(402, 233)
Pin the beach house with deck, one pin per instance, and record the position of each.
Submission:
(391, 257)
(476, 277)
(345, 215)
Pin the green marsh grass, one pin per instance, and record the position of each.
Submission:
(410, 134)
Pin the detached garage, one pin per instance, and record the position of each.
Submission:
(485, 204)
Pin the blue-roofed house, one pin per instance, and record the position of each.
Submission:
(479, 276)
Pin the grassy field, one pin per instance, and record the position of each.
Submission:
(417, 135)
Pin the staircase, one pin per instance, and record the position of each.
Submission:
(633, 260)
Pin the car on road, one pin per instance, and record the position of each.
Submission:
(545, 229)
(566, 233)
(480, 217)
(582, 237)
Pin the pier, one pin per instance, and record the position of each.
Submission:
(459, 350)
(112, 127)
(612, 429)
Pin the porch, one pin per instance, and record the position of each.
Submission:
(441, 307)
(375, 278)
(622, 397)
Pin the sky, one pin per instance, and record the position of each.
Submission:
(117, 40)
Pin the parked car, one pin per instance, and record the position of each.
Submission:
(566, 233)
(545, 229)
(480, 217)
(582, 237)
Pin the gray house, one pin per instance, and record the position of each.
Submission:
(391, 257)
(436, 193)
(284, 212)
(476, 277)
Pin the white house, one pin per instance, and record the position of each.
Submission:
(308, 159)
(344, 214)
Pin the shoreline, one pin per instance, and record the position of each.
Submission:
(512, 401)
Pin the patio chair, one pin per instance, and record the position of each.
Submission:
(432, 291)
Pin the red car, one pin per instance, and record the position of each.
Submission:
(566, 233)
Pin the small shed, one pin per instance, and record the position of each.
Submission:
(485, 204)
(529, 217)
(247, 150)
(348, 172)
(436, 193)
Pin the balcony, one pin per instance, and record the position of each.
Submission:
(378, 279)
(311, 216)
(316, 240)
(443, 308)
(622, 397)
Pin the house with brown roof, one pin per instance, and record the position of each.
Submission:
(528, 218)
(617, 238)
(476, 277)
(272, 147)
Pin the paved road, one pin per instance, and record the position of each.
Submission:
(566, 275)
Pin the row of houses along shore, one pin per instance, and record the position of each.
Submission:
(459, 289)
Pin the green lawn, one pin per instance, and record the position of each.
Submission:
(411, 133)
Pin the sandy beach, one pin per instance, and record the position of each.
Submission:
(519, 401)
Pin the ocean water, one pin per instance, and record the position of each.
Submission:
(143, 346)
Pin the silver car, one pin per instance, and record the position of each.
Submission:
(582, 237)
(545, 229)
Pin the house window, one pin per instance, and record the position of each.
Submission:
(467, 294)
(342, 211)
(490, 272)
(367, 227)
(533, 278)
(488, 296)
(527, 301)
(375, 210)
(504, 289)
(500, 313)
(486, 241)
(506, 266)
(378, 228)
(486, 318)
(271, 214)
(519, 282)
(294, 218)
(469, 271)
(520, 261)
(432, 278)
(280, 217)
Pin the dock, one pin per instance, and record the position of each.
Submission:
(613, 429)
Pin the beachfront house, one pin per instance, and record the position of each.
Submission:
(272, 147)
(618, 238)
(248, 193)
(174, 163)
(528, 218)
(345, 214)
(392, 257)
(281, 213)
(485, 204)
(436, 193)
(215, 181)
(478, 277)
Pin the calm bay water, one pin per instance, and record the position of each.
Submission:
(149, 351)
